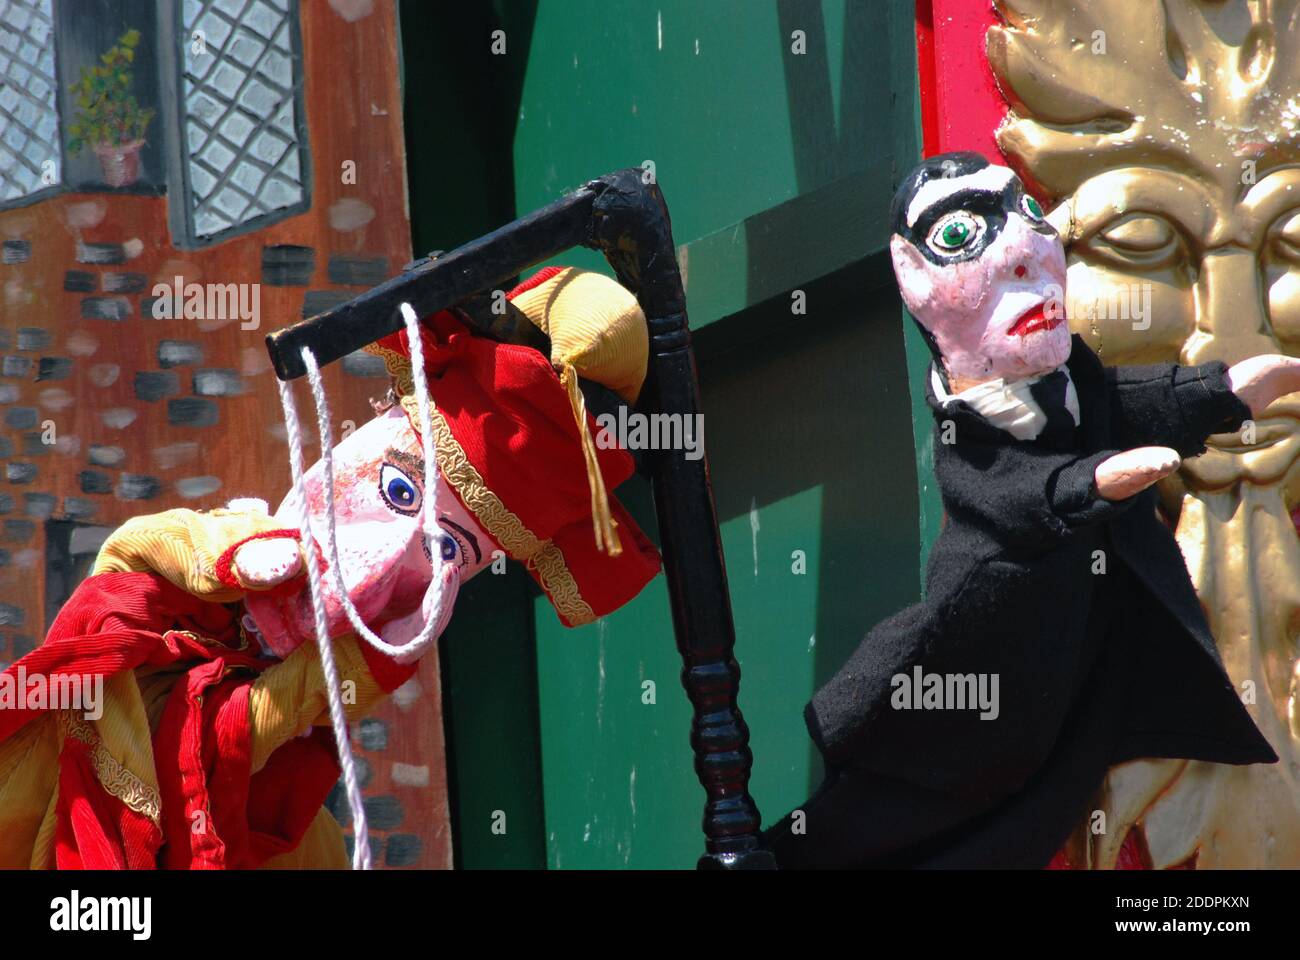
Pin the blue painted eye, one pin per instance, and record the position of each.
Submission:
(448, 549)
(398, 490)
(401, 492)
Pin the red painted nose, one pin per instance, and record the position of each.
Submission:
(1021, 271)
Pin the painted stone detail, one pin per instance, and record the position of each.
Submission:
(15, 251)
(34, 338)
(20, 472)
(105, 308)
(362, 364)
(151, 385)
(358, 271)
(93, 481)
(287, 265)
(179, 353)
(383, 812)
(218, 383)
(192, 412)
(53, 368)
(107, 254)
(132, 486)
(318, 301)
(192, 488)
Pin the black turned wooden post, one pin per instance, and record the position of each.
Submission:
(631, 226)
(626, 219)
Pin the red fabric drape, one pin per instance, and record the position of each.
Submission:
(215, 813)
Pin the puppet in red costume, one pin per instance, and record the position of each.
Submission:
(209, 746)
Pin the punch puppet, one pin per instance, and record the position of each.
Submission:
(1060, 633)
(211, 746)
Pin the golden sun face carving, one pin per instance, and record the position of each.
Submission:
(1168, 135)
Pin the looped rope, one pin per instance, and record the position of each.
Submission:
(402, 653)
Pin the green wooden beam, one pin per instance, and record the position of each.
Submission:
(788, 246)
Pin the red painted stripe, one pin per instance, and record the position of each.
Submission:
(928, 77)
(961, 105)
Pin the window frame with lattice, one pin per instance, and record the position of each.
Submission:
(181, 206)
(53, 108)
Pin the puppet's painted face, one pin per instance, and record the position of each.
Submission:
(386, 561)
(981, 270)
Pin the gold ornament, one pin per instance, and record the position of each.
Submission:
(1166, 132)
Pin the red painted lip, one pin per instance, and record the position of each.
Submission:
(1033, 320)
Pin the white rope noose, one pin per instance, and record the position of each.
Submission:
(402, 653)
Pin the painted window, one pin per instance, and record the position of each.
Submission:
(214, 85)
(243, 153)
(30, 149)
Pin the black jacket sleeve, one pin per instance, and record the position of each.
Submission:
(1167, 405)
(1023, 495)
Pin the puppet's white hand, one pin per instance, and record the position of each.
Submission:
(1128, 473)
(1258, 381)
(262, 564)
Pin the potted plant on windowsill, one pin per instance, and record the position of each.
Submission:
(111, 121)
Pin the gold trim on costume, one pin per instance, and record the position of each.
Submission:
(508, 530)
(398, 366)
(602, 522)
(116, 779)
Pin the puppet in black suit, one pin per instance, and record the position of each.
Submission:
(1060, 633)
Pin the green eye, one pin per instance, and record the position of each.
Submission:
(1033, 208)
(955, 232)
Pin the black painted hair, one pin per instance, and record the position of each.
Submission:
(957, 164)
(960, 163)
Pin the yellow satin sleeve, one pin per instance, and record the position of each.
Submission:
(29, 773)
(183, 546)
(290, 697)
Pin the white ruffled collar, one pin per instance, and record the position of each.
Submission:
(1008, 405)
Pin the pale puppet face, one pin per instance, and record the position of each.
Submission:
(984, 273)
(385, 560)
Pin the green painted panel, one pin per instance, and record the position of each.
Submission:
(930, 518)
(735, 121)
(810, 448)
(614, 83)
(778, 169)
(620, 791)
(742, 265)
(919, 358)
(489, 684)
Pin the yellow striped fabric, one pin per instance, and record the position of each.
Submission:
(595, 324)
(28, 778)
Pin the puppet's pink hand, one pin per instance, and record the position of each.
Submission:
(1258, 381)
(263, 564)
(1128, 473)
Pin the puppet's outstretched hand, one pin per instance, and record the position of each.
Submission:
(209, 554)
(263, 564)
(1129, 473)
(1258, 381)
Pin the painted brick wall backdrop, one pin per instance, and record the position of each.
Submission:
(275, 159)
